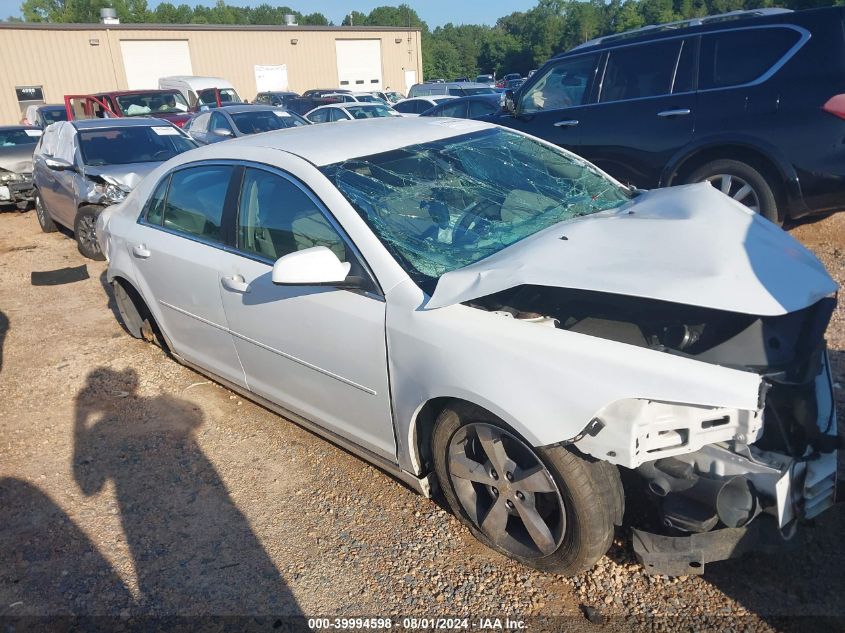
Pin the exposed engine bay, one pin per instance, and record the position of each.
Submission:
(706, 470)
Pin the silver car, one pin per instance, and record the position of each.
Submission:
(17, 143)
(81, 167)
(235, 121)
(471, 307)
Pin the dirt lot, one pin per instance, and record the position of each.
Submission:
(130, 485)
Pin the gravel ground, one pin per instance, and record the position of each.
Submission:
(130, 485)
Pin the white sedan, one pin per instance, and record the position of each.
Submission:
(475, 310)
(350, 112)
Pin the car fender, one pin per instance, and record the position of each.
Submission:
(546, 383)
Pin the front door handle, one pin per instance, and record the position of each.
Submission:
(567, 123)
(235, 283)
(671, 113)
(141, 251)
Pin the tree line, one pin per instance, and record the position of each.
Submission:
(518, 42)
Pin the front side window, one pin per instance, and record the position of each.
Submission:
(406, 107)
(276, 217)
(562, 86)
(733, 58)
(633, 72)
(200, 123)
(196, 199)
(136, 144)
(219, 122)
(443, 205)
(319, 116)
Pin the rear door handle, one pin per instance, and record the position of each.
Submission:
(141, 251)
(568, 123)
(235, 283)
(671, 113)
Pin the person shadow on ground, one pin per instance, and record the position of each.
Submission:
(48, 566)
(194, 552)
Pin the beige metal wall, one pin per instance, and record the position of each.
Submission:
(82, 59)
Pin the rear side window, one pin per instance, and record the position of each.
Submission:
(456, 110)
(156, 204)
(195, 201)
(319, 116)
(633, 72)
(733, 58)
(480, 108)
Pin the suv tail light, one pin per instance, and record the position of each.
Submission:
(835, 106)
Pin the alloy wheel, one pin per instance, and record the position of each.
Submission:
(86, 233)
(506, 490)
(737, 188)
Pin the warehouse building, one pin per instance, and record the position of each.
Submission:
(43, 62)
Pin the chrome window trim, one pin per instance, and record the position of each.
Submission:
(805, 35)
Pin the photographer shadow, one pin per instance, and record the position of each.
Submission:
(194, 551)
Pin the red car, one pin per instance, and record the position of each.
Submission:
(163, 104)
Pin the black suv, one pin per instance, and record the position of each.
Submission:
(752, 101)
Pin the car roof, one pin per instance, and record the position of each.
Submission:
(198, 82)
(93, 124)
(327, 144)
(689, 26)
(52, 106)
(455, 84)
(122, 93)
(14, 128)
(247, 107)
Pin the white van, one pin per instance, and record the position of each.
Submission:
(200, 91)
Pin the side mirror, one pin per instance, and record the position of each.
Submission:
(310, 267)
(58, 164)
(223, 132)
(509, 102)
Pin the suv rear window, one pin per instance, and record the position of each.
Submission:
(733, 58)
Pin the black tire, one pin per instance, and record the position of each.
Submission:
(130, 314)
(762, 192)
(591, 492)
(44, 220)
(83, 231)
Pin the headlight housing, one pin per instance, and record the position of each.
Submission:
(115, 193)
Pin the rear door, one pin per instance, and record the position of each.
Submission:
(176, 249)
(645, 110)
(554, 105)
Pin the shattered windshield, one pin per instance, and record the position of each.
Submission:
(443, 205)
(141, 104)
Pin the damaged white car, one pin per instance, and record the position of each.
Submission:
(472, 308)
(80, 167)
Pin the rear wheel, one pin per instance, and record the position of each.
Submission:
(44, 220)
(84, 229)
(743, 183)
(543, 506)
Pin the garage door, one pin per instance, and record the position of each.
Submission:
(146, 60)
(359, 64)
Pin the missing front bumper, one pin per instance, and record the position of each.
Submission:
(686, 555)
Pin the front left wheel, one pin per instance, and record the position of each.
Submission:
(543, 506)
(84, 229)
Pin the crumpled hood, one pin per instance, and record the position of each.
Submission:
(125, 176)
(17, 159)
(690, 245)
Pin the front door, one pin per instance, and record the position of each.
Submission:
(318, 351)
(552, 107)
(645, 110)
(176, 250)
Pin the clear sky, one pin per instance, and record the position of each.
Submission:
(434, 12)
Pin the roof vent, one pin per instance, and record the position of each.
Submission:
(108, 16)
(290, 20)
